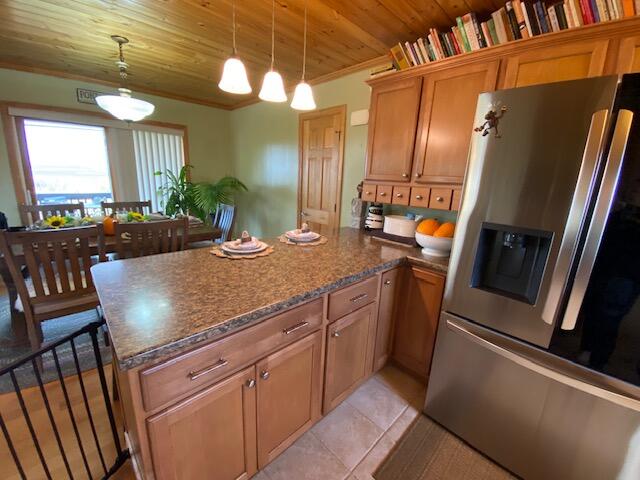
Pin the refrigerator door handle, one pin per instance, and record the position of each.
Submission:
(599, 219)
(546, 364)
(575, 219)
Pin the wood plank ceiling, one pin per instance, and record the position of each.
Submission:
(178, 46)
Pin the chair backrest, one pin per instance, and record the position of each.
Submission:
(58, 261)
(114, 207)
(223, 219)
(33, 213)
(149, 238)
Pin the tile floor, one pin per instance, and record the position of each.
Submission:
(353, 439)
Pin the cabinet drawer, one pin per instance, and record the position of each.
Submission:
(440, 198)
(419, 197)
(185, 373)
(401, 195)
(383, 194)
(456, 199)
(368, 192)
(351, 298)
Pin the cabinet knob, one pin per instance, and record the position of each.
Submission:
(368, 193)
(387, 282)
(418, 175)
(250, 383)
(398, 195)
(335, 334)
(265, 375)
(405, 175)
(418, 197)
(439, 199)
(383, 194)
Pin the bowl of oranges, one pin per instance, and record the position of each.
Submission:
(434, 237)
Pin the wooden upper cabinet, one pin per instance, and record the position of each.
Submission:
(210, 435)
(417, 319)
(289, 395)
(629, 55)
(448, 106)
(392, 130)
(556, 63)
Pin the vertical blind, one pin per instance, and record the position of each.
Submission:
(156, 152)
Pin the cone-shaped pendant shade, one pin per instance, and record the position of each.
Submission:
(234, 77)
(272, 88)
(303, 97)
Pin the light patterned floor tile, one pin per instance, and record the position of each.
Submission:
(307, 459)
(378, 403)
(365, 469)
(402, 423)
(348, 434)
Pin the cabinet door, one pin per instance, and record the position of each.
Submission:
(556, 63)
(629, 55)
(211, 435)
(350, 343)
(392, 130)
(417, 319)
(289, 395)
(448, 107)
(386, 312)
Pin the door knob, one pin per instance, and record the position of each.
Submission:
(418, 197)
(439, 199)
(405, 175)
(387, 282)
(398, 195)
(383, 194)
(418, 175)
(264, 375)
(250, 383)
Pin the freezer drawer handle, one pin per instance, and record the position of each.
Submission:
(599, 219)
(576, 217)
(587, 385)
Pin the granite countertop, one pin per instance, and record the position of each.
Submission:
(162, 304)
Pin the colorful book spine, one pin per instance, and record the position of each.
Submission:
(456, 41)
(478, 31)
(471, 35)
(492, 31)
(603, 14)
(400, 56)
(628, 8)
(424, 50)
(542, 19)
(463, 34)
(574, 6)
(513, 21)
(562, 20)
(587, 13)
(500, 30)
(517, 7)
(458, 36)
(594, 11)
(485, 34)
(527, 19)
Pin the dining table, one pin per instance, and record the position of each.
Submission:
(197, 234)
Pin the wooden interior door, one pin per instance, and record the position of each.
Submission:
(320, 177)
(386, 313)
(393, 118)
(289, 395)
(417, 319)
(349, 359)
(448, 107)
(211, 435)
(569, 61)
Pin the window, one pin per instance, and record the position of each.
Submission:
(156, 152)
(69, 163)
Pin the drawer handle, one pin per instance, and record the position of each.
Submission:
(198, 373)
(398, 195)
(335, 334)
(405, 175)
(383, 194)
(387, 282)
(439, 199)
(418, 197)
(418, 175)
(359, 297)
(368, 193)
(297, 326)
(250, 383)
(265, 375)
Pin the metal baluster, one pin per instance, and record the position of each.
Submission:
(16, 460)
(45, 399)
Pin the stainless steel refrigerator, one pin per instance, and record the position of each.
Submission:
(537, 357)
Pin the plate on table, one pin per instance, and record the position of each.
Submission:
(298, 236)
(236, 248)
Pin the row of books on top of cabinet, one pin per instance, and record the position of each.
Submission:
(516, 20)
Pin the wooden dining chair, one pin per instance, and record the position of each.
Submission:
(33, 213)
(223, 219)
(149, 238)
(109, 208)
(58, 263)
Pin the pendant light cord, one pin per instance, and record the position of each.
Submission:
(304, 47)
(233, 25)
(273, 31)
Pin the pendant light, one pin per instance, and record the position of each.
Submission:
(234, 75)
(303, 95)
(272, 86)
(124, 106)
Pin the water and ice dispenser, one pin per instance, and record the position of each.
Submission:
(510, 261)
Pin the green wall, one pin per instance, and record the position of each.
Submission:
(209, 128)
(265, 152)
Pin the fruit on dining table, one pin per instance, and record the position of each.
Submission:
(428, 226)
(445, 230)
(109, 226)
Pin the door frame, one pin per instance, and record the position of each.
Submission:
(337, 110)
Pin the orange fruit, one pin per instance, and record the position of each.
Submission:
(428, 226)
(445, 230)
(109, 226)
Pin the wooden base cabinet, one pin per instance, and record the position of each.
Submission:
(417, 319)
(386, 313)
(350, 342)
(211, 435)
(289, 395)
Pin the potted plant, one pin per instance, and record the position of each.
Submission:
(183, 197)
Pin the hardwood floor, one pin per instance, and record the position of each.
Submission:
(23, 444)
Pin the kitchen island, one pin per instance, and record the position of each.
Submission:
(214, 347)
